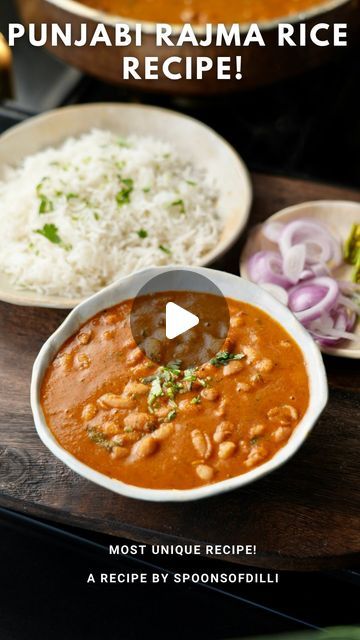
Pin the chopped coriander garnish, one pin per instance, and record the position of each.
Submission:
(147, 189)
(96, 215)
(31, 247)
(142, 233)
(173, 388)
(167, 382)
(46, 206)
(70, 196)
(171, 370)
(123, 196)
(99, 438)
(191, 183)
(224, 357)
(180, 204)
(155, 392)
(50, 232)
(128, 182)
(164, 249)
(189, 375)
(171, 415)
(39, 187)
(123, 143)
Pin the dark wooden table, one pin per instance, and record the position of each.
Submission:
(304, 516)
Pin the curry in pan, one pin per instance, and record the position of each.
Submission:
(201, 11)
(162, 427)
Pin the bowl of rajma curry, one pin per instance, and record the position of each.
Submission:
(150, 429)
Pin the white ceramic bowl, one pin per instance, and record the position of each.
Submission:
(193, 141)
(231, 286)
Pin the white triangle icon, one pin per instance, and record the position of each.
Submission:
(178, 320)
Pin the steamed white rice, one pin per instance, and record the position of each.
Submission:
(75, 218)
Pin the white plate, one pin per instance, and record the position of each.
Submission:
(338, 215)
(231, 286)
(191, 138)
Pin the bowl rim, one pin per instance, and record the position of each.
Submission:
(84, 311)
(58, 302)
(148, 27)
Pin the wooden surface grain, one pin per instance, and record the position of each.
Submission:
(304, 516)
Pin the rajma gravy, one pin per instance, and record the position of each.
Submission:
(201, 12)
(164, 428)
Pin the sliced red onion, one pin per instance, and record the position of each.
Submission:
(328, 308)
(344, 321)
(305, 297)
(319, 270)
(320, 244)
(273, 230)
(294, 262)
(337, 256)
(333, 336)
(349, 287)
(340, 319)
(324, 323)
(350, 304)
(307, 273)
(266, 266)
(352, 318)
(319, 330)
(316, 270)
(277, 292)
(319, 297)
(330, 330)
(325, 341)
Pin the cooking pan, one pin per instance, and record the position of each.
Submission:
(260, 65)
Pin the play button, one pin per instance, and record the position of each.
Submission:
(180, 316)
(178, 320)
